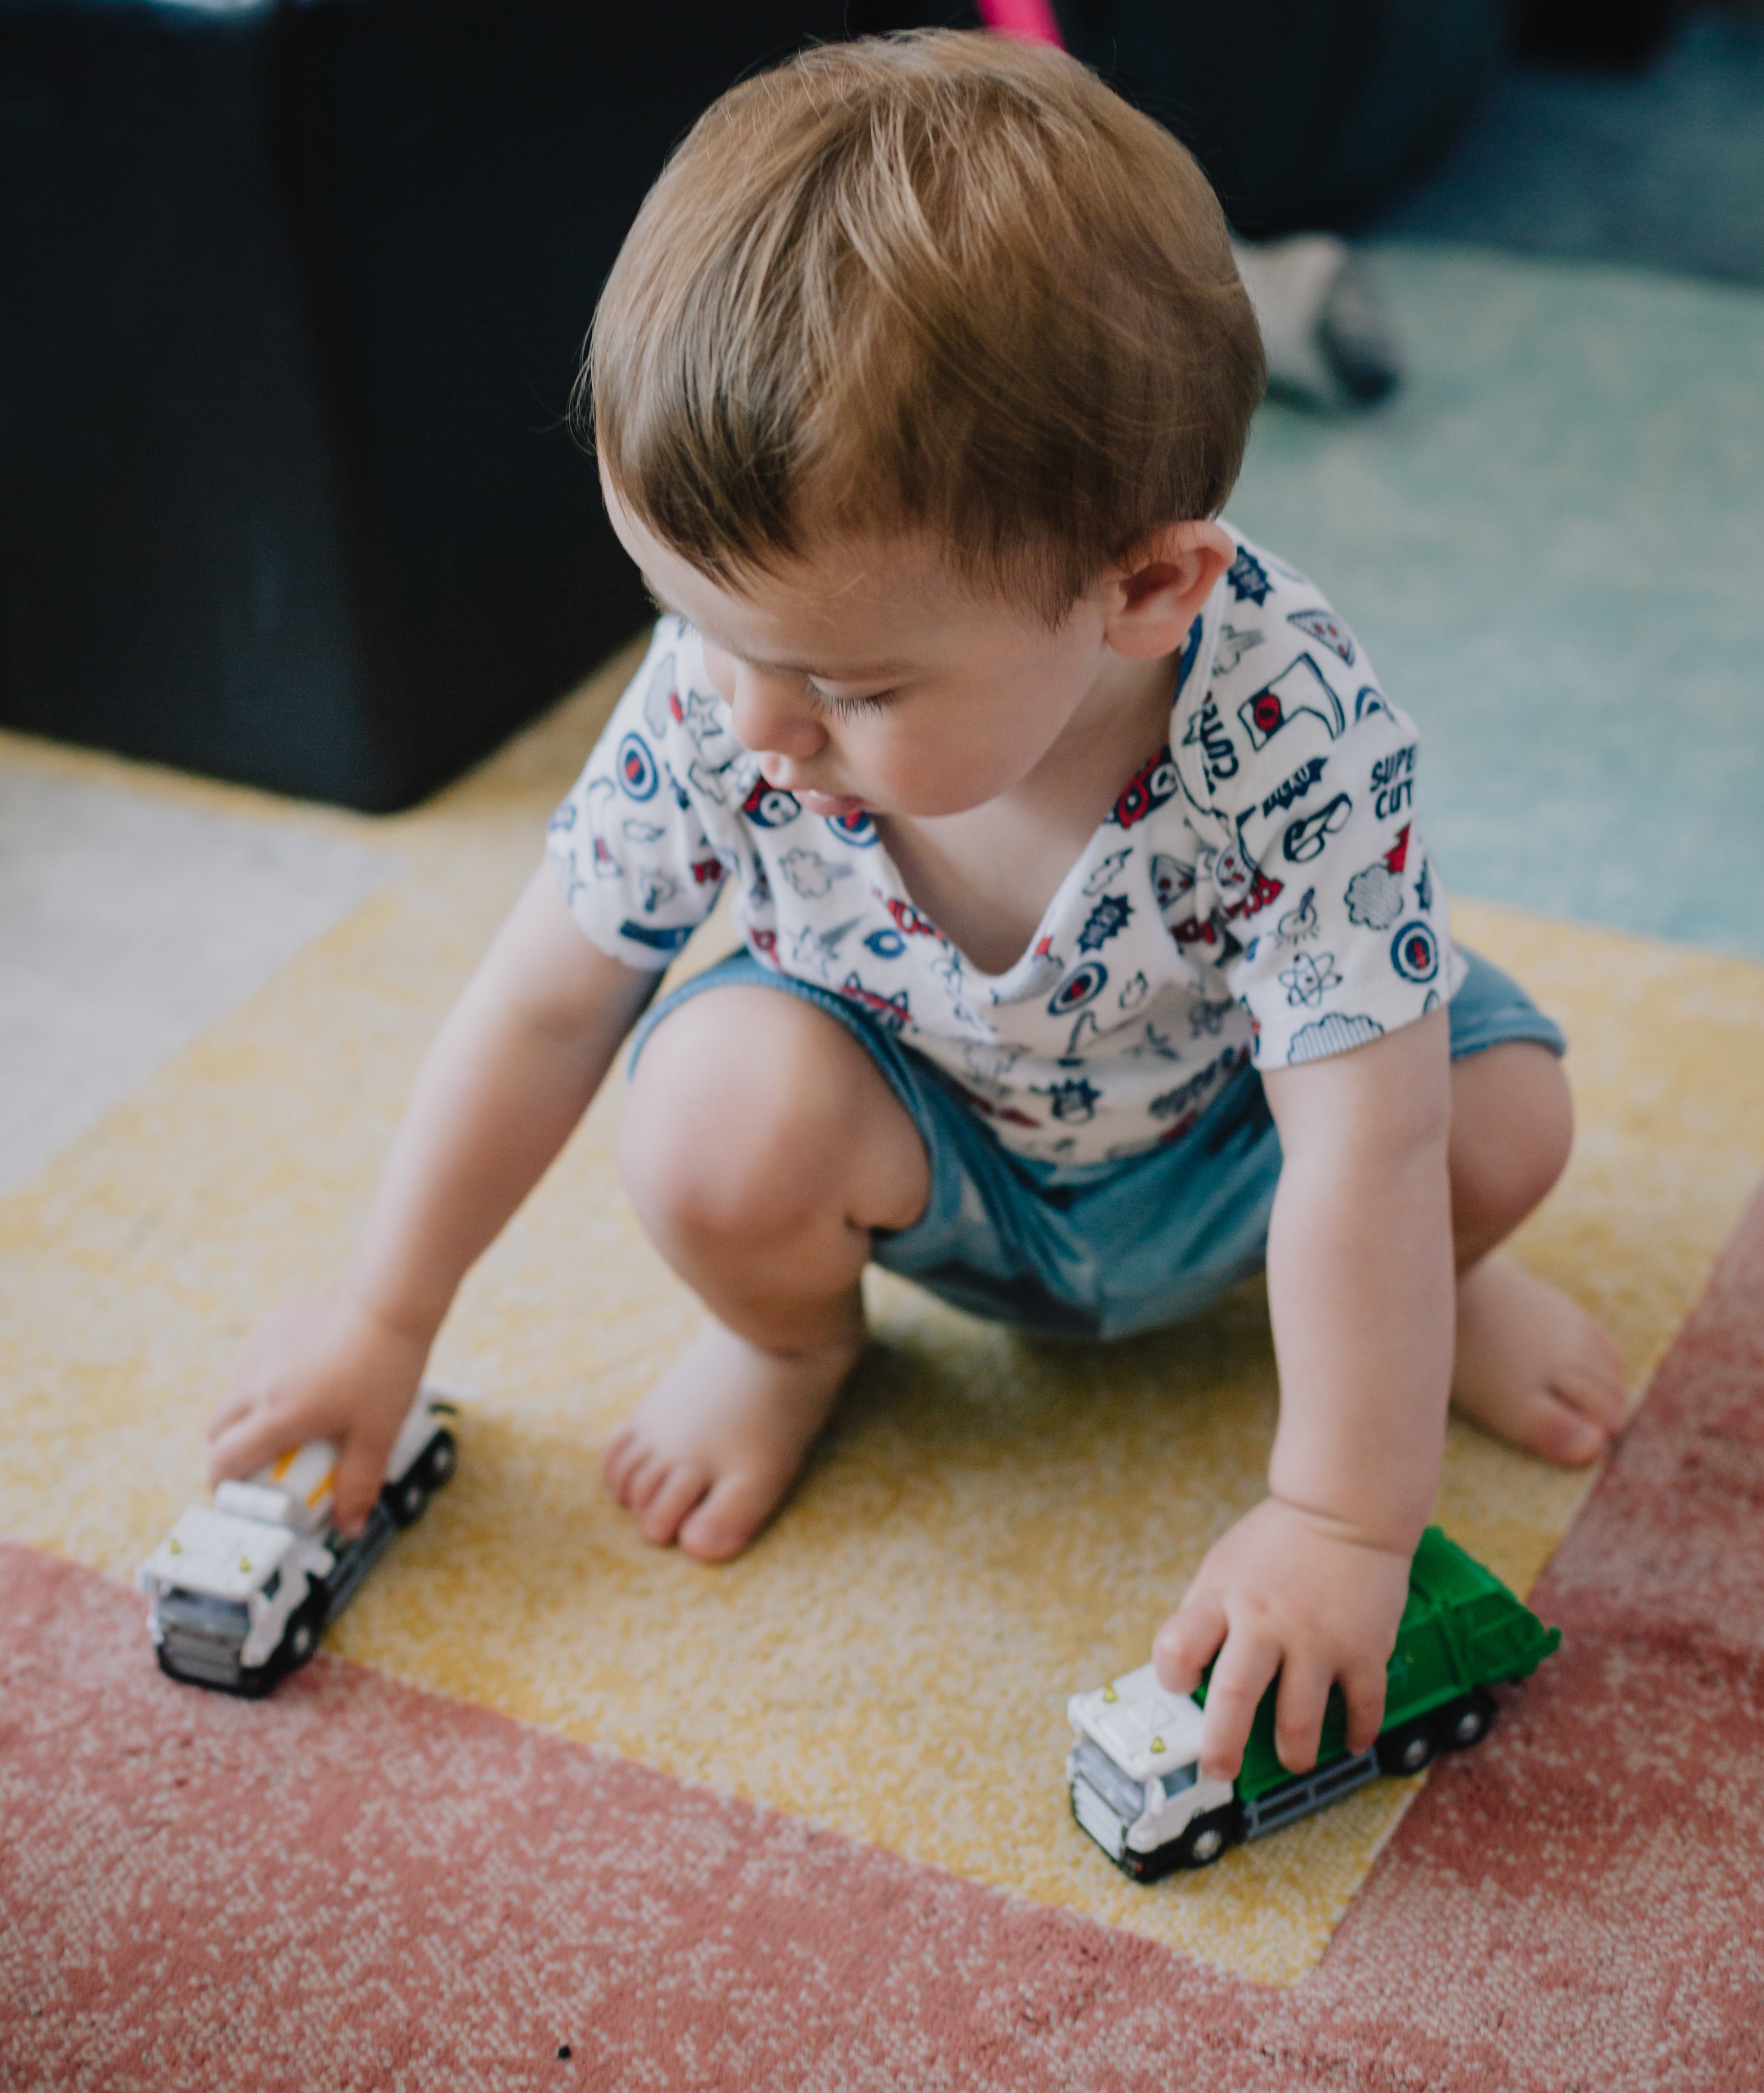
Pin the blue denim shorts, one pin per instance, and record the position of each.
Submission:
(1099, 1250)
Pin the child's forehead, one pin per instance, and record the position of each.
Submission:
(853, 609)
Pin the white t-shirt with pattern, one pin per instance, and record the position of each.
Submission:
(1259, 892)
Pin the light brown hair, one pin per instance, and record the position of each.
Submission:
(936, 281)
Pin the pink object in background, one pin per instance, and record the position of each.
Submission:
(1030, 20)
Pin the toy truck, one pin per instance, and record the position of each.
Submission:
(242, 1589)
(1135, 1781)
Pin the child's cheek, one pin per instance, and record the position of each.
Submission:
(720, 668)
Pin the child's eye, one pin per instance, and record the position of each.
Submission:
(846, 708)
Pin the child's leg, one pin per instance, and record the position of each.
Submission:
(760, 1147)
(1532, 1365)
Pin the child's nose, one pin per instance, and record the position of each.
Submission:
(773, 716)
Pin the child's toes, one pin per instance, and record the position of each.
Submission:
(679, 1489)
(1560, 1431)
(734, 1509)
(623, 1452)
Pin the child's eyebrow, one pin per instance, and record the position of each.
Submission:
(867, 673)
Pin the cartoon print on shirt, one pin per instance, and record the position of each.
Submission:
(1206, 731)
(892, 1010)
(1297, 923)
(657, 936)
(1106, 868)
(1109, 918)
(810, 873)
(1248, 578)
(769, 808)
(1415, 951)
(1232, 646)
(662, 700)
(1206, 946)
(857, 830)
(654, 888)
(1299, 691)
(599, 794)
(1073, 1101)
(637, 769)
(1325, 626)
(1306, 840)
(1393, 782)
(1191, 647)
(1083, 985)
(1150, 785)
(1296, 787)
(1374, 892)
(817, 949)
(1333, 1034)
(1308, 978)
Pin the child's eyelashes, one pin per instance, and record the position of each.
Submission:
(848, 707)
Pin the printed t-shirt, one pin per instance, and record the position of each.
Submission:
(1259, 892)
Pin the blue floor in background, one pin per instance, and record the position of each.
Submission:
(1551, 544)
(1663, 168)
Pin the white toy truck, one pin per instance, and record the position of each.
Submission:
(242, 1589)
(1133, 1774)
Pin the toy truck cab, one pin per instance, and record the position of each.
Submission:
(241, 1589)
(1133, 1774)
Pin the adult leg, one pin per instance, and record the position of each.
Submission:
(761, 1146)
(1532, 1365)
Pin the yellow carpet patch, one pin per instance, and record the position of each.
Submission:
(989, 1523)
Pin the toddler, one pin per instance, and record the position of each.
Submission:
(1093, 957)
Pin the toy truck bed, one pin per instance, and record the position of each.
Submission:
(1135, 1783)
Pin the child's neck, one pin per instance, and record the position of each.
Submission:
(985, 877)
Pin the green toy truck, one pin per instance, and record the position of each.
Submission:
(1136, 1785)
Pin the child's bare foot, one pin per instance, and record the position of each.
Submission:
(1533, 1367)
(711, 1449)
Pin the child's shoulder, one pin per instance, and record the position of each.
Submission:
(1272, 680)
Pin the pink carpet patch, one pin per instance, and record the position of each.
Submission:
(358, 1886)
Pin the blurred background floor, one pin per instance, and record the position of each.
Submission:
(1662, 168)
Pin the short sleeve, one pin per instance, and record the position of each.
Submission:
(629, 848)
(1333, 925)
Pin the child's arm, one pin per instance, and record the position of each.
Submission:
(512, 1071)
(1312, 1582)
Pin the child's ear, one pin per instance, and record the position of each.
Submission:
(1155, 593)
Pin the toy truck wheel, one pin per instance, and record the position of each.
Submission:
(407, 1500)
(439, 1464)
(1466, 1722)
(1408, 1749)
(1206, 1839)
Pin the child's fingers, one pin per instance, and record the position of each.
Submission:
(361, 1471)
(1188, 1639)
(1364, 1687)
(1298, 1709)
(1240, 1678)
(243, 1444)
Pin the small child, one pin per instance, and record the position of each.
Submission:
(1093, 957)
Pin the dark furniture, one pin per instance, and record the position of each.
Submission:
(292, 297)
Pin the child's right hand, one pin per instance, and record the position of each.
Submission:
(320, 1366)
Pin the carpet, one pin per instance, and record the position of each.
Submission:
(990, 1524)
(361, 1885)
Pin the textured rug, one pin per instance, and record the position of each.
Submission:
(360, 1886)
(989, 1524)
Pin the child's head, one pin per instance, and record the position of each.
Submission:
(943, 286)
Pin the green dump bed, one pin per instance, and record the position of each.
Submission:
(1461, 1629)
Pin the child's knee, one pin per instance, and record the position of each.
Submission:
(1512, 1129)
(737, 1119)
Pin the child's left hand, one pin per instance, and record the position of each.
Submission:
(1286, 1591)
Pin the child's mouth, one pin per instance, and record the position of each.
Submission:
(835, 806)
